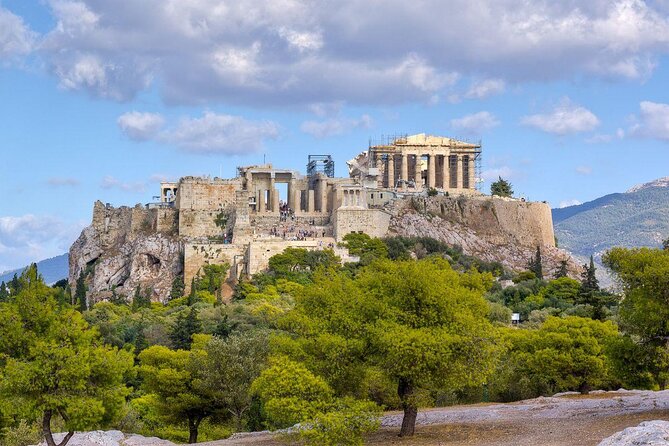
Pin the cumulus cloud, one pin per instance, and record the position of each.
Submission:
(565, 118)
(110, 182)
(475, 123)
(140, 126)
(63, 181)
(335, 126)
(210, 134)
(300, 52)
(652, 122)
(567, 203)
(606, 137)
(16, 38)
(30, 238)
(487, 87)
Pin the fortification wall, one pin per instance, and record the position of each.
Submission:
(260, 251)
(206, 194)
(167, 220)
(373, 222)
(197, 255)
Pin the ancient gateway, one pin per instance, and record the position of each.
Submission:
(243, 221)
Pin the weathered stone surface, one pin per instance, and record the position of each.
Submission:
(648, 433)
(110, 438)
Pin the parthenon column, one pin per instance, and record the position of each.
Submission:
(404, 170)
(472, 173)
(459, 168)
(273, 196)
(391, 171)
(260, 207)
(431, 170)
(324, 195)
(445, 177)
(418, 177)
(311, 200)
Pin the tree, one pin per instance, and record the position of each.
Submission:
(535, 264)
(562, 270)
(115, 299)
(186, 325)
(422, 324)
(80, 293)
(4, 292)
(178, 287)
(141, 299)
(501, 188)
(644, 310)
(589, 282)
(53, 364)
(665, 244)
(365, 247)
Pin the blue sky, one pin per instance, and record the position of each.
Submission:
(101, 100)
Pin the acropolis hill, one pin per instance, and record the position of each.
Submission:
(243, 221)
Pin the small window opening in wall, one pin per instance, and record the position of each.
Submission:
(381, 195)
(372, 196)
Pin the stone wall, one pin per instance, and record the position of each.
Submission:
(167, 220)
(373, 222)
(207, 194)
(260, 251)
(198, 254)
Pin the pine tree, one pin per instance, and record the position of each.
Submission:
(501, 188)
(535, 264)
(223, 328)
(589, 282)
(141, 343)
(562, 270)
(185, 326)
(80, 293)
(4, 292)
(14, 285)
(177, 290)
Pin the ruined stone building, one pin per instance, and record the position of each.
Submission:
(243, 221)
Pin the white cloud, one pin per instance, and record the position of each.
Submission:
(653, 121)
(30, 238)
(565, 118)
(261, 52)
(211, 134)
(583, 170)
(487, 87)
(493, 174)
(110, 182)
(567, 203)
(220, 134)
(335, 126)
(605, 137)
(475, 123)
(140, 126)
(63, 181)
(16, 38)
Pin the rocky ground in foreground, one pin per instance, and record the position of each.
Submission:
(565, 420)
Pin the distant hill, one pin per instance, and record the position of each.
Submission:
(52, 269)
(638, 217)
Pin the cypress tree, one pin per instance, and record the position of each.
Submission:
(535, 265)
(185, 326)
(115, 298)
(223, 328)
(562, 270)
(178, 287)
(589, 282)
(80, 293)
(4, 292)
(192, 296)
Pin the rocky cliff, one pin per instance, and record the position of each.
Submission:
(125, 248)
(493, 229)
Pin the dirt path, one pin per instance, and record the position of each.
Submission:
(568, 420)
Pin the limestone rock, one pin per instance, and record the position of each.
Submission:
(648, 433)
(110, 438)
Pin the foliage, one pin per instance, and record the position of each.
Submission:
(535, 265)
(562, 270)
(178, 287)
(432, 192)
(141, 299)
(644, 275)
(80, 293)
(365, 247)
(185, 326)
(53, 363)
(501, 188)
(211, 278)
(344, 424)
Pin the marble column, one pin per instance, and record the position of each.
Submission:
(391, 172)
(418, 177)
(311, 200)
(323, 183)
(472, 173)
(260, 202)
(404, 171)
(431, 170)
(459, 168)
(445, 173)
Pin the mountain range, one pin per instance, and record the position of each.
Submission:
(52, 270)
(638, 217)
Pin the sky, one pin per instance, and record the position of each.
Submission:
(101, 100)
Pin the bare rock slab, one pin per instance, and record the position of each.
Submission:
(648, 433)
(110, 438)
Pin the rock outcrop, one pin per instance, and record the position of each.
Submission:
(490, 228)
(110, 438)
(123, 249)
(648, 433)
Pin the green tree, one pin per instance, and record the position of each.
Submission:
(80, 293)
(589, 282)
(4, 292)
(535, 264)
(644, 310)
(423, 324)
(665, 244)
(365, 247)
(501, 188)
(562, 270)
(186, 325)
(178, 287)
(115, 299)
(53, 364)
(141, 299)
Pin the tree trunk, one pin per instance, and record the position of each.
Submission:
(193, 425)
(405, 391)
(46, 430)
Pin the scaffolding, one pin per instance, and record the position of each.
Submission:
(319, 164)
